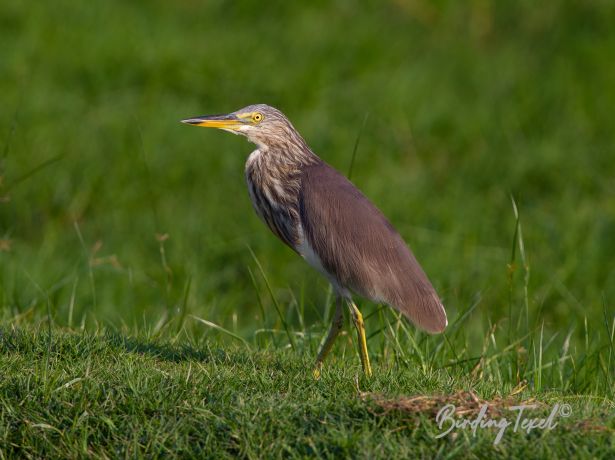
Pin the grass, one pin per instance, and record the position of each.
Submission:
(130, 257)
(109, 395)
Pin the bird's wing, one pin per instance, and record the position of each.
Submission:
(359, 247)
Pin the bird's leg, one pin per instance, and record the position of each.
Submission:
(336, 327)
(357, 318)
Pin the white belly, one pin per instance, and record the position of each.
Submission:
(307, 252)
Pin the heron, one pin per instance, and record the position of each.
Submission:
(324, 218)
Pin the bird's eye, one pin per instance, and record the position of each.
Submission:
(257, 117)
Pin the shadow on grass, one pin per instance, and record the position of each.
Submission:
(71, 345)
(165, 352)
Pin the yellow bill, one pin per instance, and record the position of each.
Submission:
(215, 121)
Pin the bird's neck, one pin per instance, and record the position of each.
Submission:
(288, 154)
(277, 162)
(290, 149)
(277, 168)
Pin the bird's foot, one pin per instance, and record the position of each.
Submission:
(316, 372)
(367, 369)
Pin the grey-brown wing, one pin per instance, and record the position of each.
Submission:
(357, 244)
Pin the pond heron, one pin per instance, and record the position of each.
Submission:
(323, 217)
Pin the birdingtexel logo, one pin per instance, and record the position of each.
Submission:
(519, 420)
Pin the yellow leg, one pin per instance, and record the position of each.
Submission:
(336, 327)
(358, 322)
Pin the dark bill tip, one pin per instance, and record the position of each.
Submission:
(192, 121)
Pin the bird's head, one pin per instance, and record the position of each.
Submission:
(260, 123)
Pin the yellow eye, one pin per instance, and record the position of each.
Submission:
(256, 117)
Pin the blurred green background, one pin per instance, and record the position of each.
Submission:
(468, 103)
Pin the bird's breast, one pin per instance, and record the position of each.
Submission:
(274, 192)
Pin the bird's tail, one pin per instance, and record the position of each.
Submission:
(425, 311)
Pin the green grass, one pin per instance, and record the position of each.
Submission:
(109, 395)
(486, 136)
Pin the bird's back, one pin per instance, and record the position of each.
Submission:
(358, 246)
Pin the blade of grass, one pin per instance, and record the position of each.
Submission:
(609, 334)
(221, 329)
(71, 304)
(274, 299)
(260, 305)
(511, 269)
(356, 145)
(89, 262)
(32, 172)
(184, 305)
